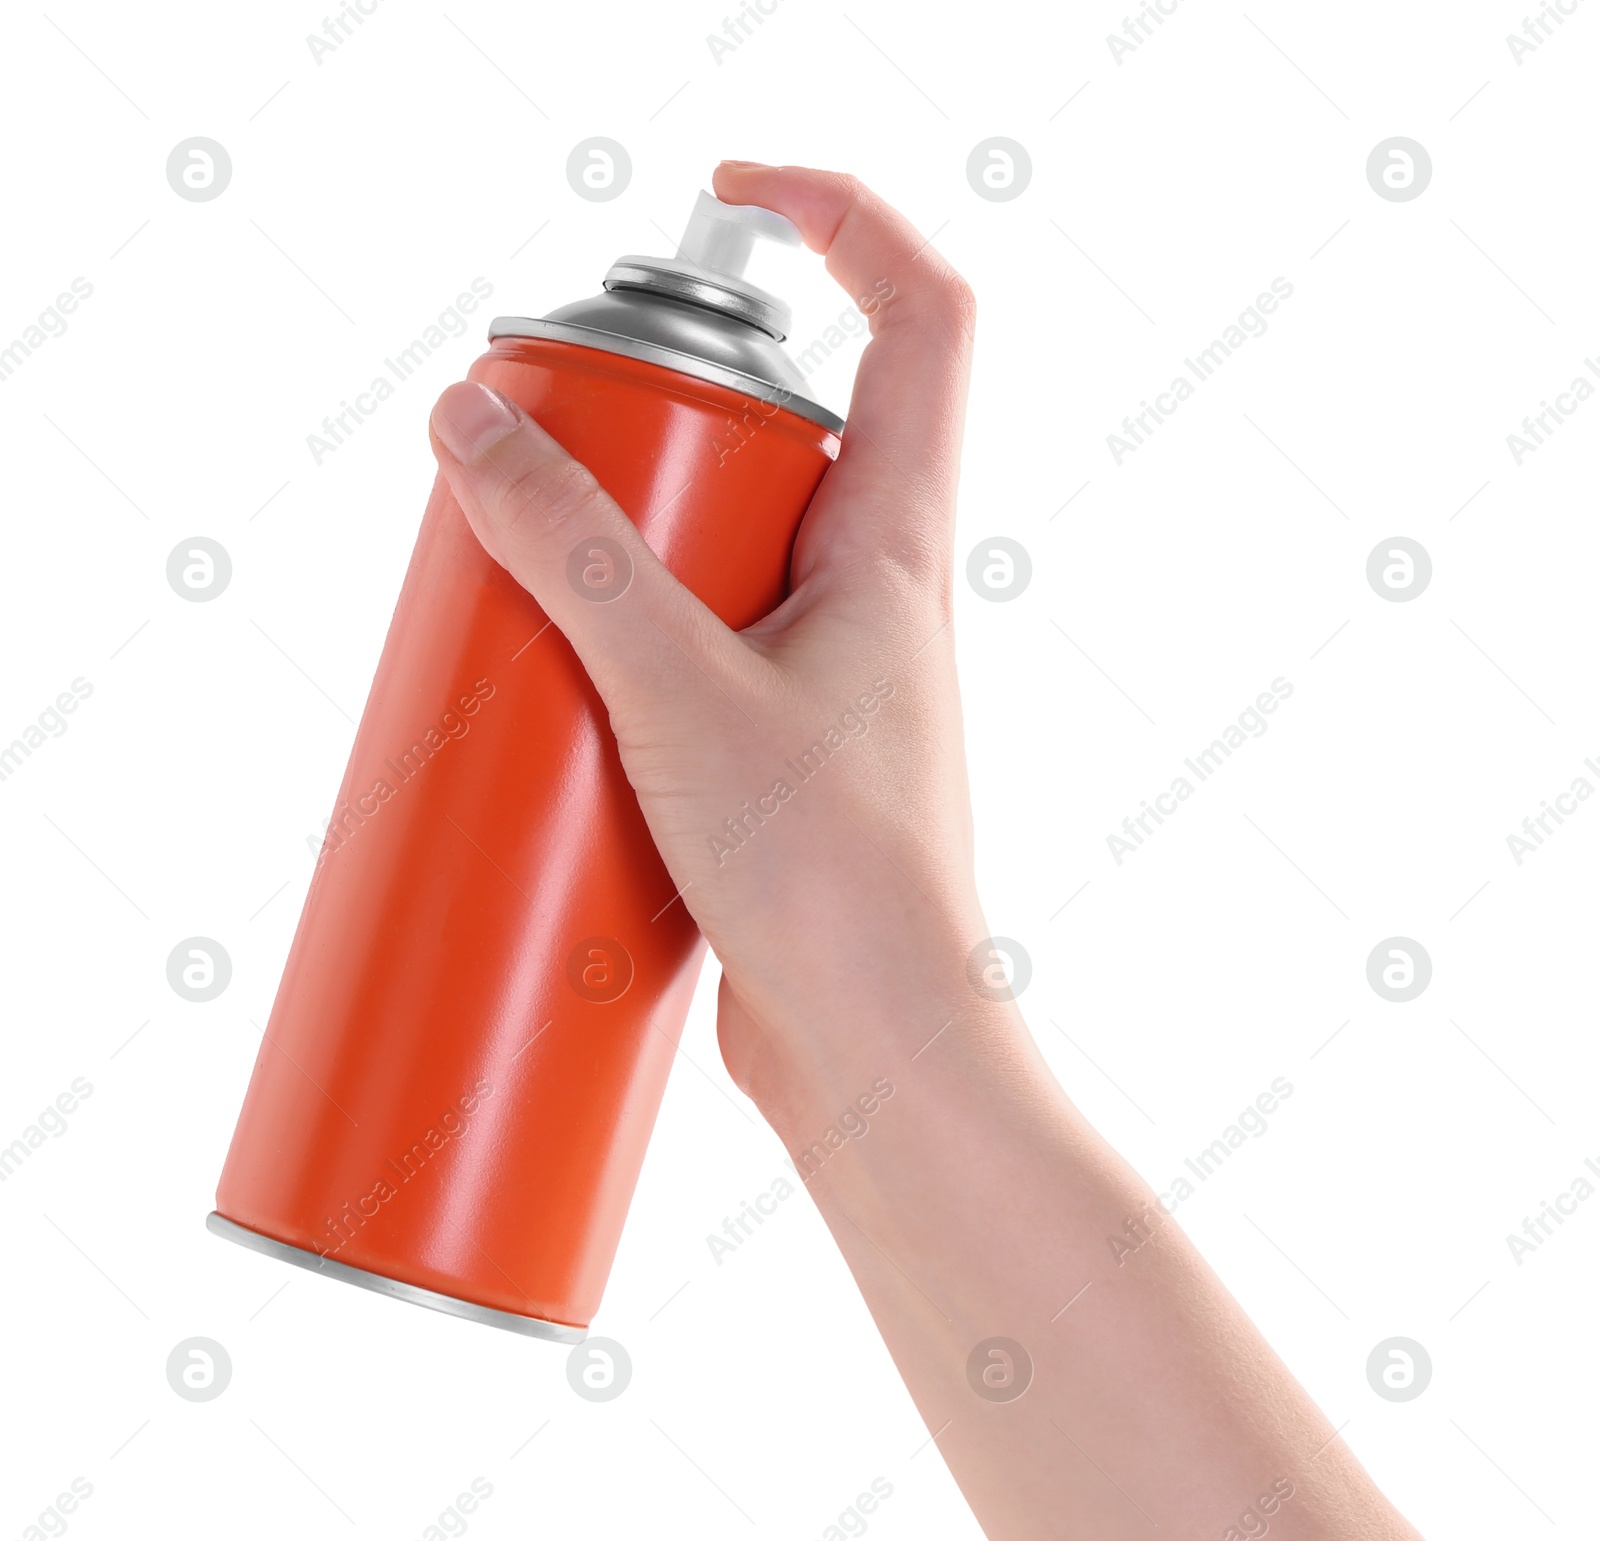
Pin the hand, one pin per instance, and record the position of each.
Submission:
(981, 1199)
(857, 893)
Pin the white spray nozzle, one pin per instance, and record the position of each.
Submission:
(720, 236)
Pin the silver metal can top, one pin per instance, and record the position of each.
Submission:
(694, 312)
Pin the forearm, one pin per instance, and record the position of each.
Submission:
(979, 1205)
(970, 1199)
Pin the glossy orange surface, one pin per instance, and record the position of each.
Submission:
(484, 995)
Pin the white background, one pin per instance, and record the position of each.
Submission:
(1167, 191)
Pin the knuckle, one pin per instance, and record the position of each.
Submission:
(853, 188)
(937, 296)
(918, 566)
(955, 297)
(552, 494)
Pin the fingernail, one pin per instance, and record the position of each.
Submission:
(471, 419)
(762, 165)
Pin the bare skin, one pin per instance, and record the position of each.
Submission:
(980, 1201)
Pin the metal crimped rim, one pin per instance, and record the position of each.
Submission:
(527, 1326)
(764, 313)
(668, 358)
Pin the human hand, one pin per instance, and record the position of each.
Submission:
(844, 922)
(853, 898)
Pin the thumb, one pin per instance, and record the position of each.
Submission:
(550, 524)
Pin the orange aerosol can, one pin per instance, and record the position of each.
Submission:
(484, 995)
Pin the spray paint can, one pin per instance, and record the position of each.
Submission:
(484, 995)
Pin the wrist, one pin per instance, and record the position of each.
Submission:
(809, 1043)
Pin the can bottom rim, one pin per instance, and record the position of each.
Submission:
(451, 1305)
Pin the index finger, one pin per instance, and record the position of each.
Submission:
(911, 385)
